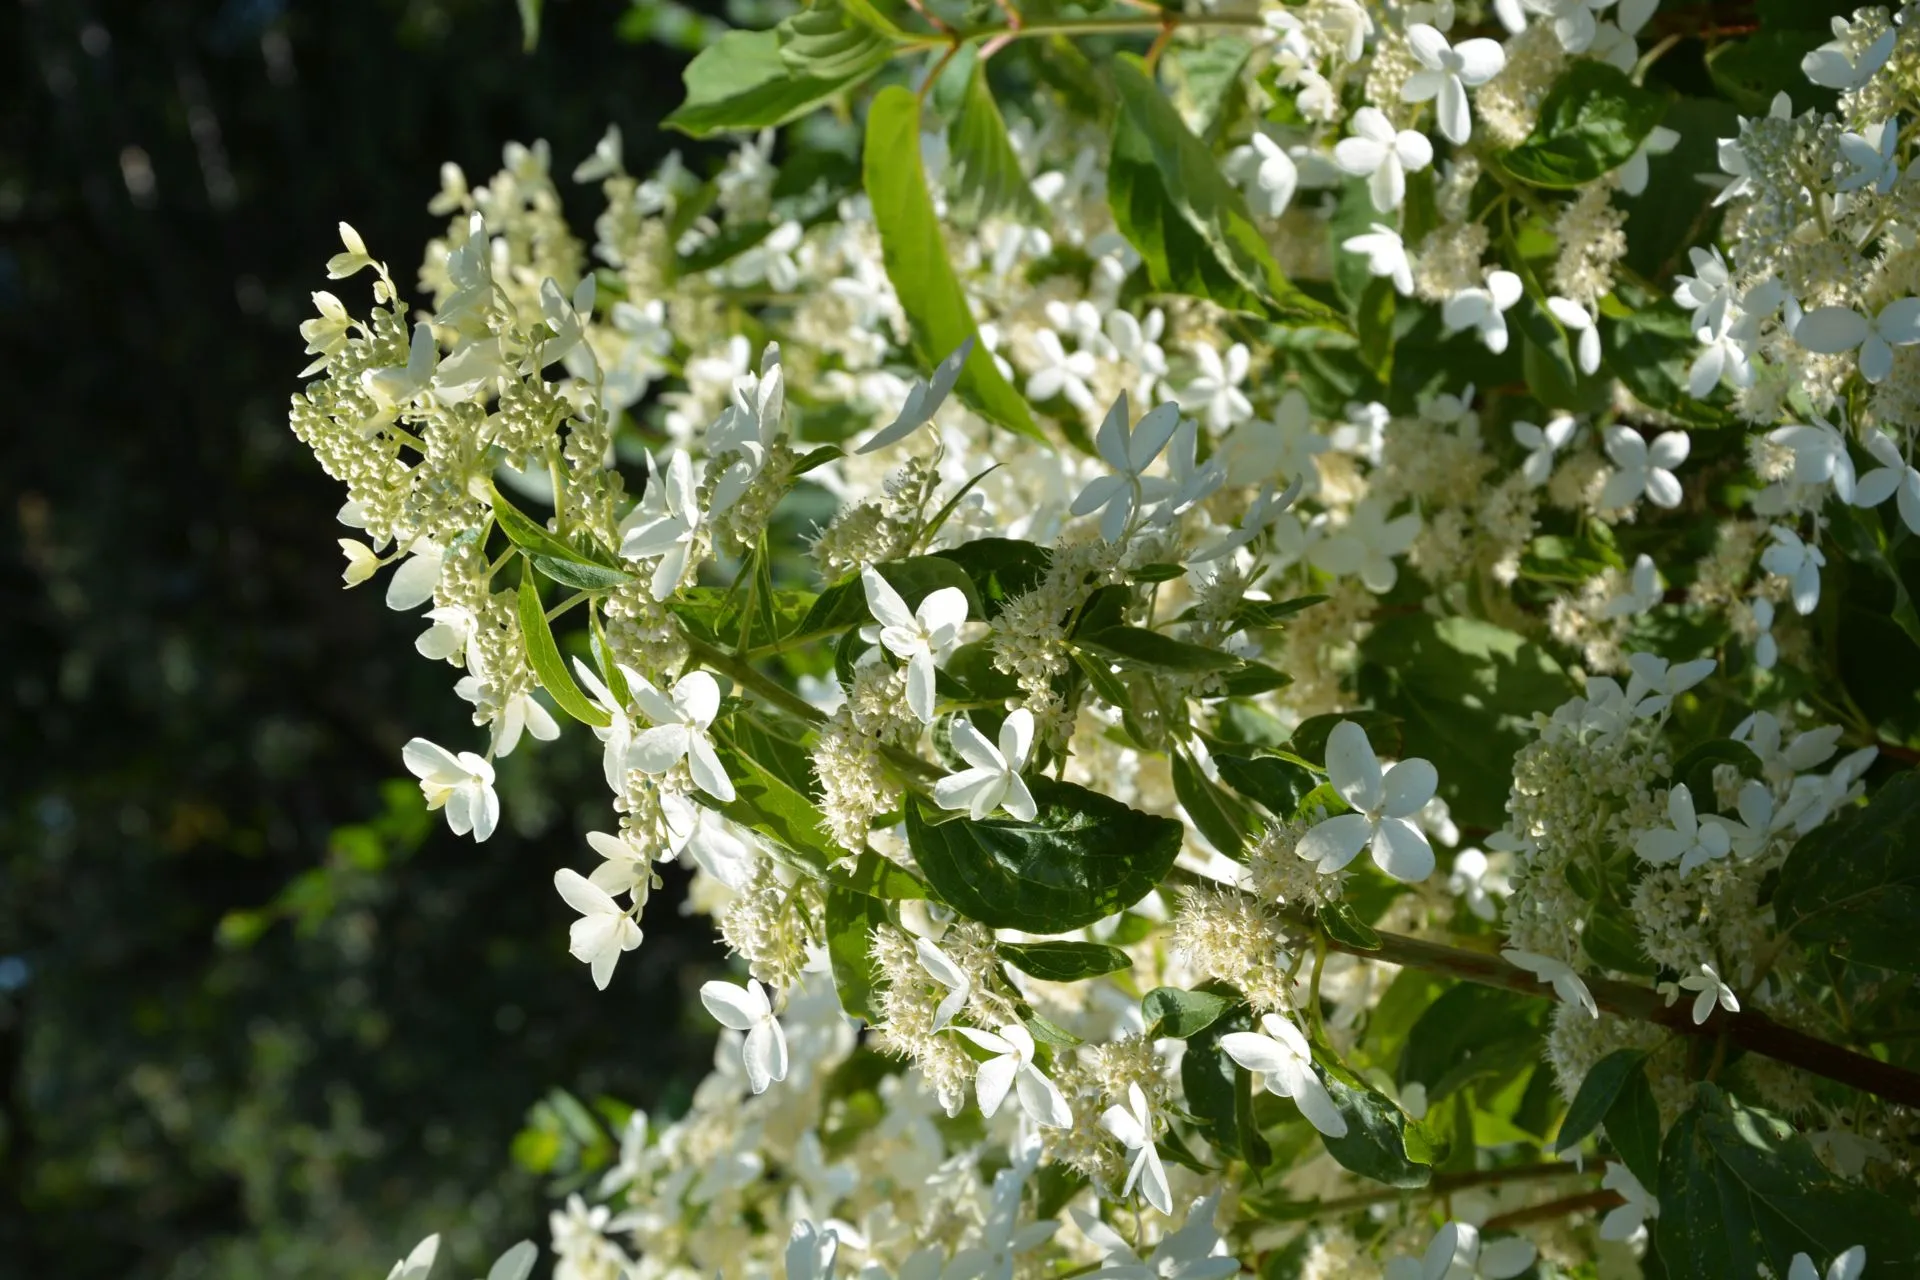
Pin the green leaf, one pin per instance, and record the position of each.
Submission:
(767, 803)
(844, 604)
(530, 24)
(1471, 1032)
(544, 654)
(1277, 782)
(1468, 691)
(1190, 226)
(1309, 740)
(1376, 1142)
(1221, 818)
(821, 42)
(1696, 767)
(1739, 1188)
(1178, 1014)
(1651, 351)
(1139, 649)
(877, 877)
(741, 82)
(915, 252)
(1633, 1127)
(1209, 1078)
(1202, 77)
(536, 539)
(578, 575)
(1000, 569)
(850, 920)
(1602, 1085)
(1591, 122)
(1064, 961)
(1083, 858)
(983, 170)
(1751, 71)
(1253, 677)
(1051, 1033)
(1344, 925)
(1855, 882)
(1158, 572)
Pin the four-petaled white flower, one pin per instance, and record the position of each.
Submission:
(1215, 391)
(1574, 25)
(941, 968)
(1472, 878)
(1386, 255)
(1766, 649)
(680, 731)
(1643, 468)
(1852, 1264)
(1654, 685)
(1799, 563)
(924, 399)
(1367, 545)
(764, 1052)
(1457, 1252)
(1895, 478)
(922, 637)
(810, 1251)
(1383, 807)
(668, 528)
(604, 930)
(1382, 155)
(1133, 1126)
(1268, 173)
(1541, 444)
(1642, 593)
(1284, 1060)
(1625, 1221)
(1709, 291)
(1829, 331)
(1632, 176)
(1690, 840)
(461, 784)
(1062, 373)
(1012, 1067)
(994, 781)
(1129, 454)
(1484, 308)
(1832, 66)
(1819, 455)
(1710, 989)
(1446, 72)
(1557, 974)
(1585, 327)
(1872, 155)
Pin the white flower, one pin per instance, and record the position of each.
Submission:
(810, 1251)
(1188, 481)
(1573, 22)
(1642, 593)
(1557, 974)
(1386, 255)
(1725, 356)
(1257, 450)
(1541, 444)
(941, 968)
(1766, 650)
(617, 733)
(391, 388)
(924, 399)
(669, 528)
(1268, 173)
(1136, 342)
(1895, 478)
(1473, 879)
(1129, 454)
(764, 1052)
(1690, 841)
(1447, 71)
(1625, 1221)
(1285, 1062)
(1830, 67)
(922, 637)
(1011, 1067)
(1654, 685)
(1265, 510)
(1133, 1126)
(1852, 1264)
(624, 866)
(1832, 330)
(418, 1264)
(452, 631)
(1819, 456)
(1383, 155)
(1061, 373)
(1872, 155)
(1457, 1252)
(994, 781)
(1577, 320)
(1382, 809)
(680, 731)
(413, 582)
(1194, 1252)
(1215, 392)
(604, 928)
(520, 713)
(1709, 291)
(1711, 991)
(1367, 545)
(1483, 308)
(462, 785)
(1632, 176)
(1644, 469)
(1799, 563)
(1001, 1237)
(362, 561)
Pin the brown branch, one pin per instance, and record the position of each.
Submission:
(1595, 1200)
(1447, 1183)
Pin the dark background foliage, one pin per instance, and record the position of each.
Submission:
(260, 1015)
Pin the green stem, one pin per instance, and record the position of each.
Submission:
(1446, 1184)
(742, 673)
(1078, 27)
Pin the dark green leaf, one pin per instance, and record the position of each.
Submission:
(1209, 1078)
(1064, 961)
(1471, 1031)
(578, 575)
(915, 251)
(850, 920)
(1052, 1033)
(1139, 649)
(822, 42)
(844, 604)
(1189, 224)
(1633, 1127)
(1275, 781)
(1158, 572)
(1591, 122)
(1202, 77)
(1343, 925)
(1602, 1085)
(1220, 817)
(875, 876)
(984, 171)
(1178, 1014)
(1309, 740)
(1000, 569)
(544, 655)
(1376, 1142)
(1855, 882)
(741, 82)
(768, 804)
(537, 540)
(1083, 858)
(1752, 71)
(1250, 678)
(1651, 351)
(530, 24)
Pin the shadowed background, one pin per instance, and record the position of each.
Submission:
(260, 1015)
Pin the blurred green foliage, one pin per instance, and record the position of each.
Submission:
(260, 1014)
